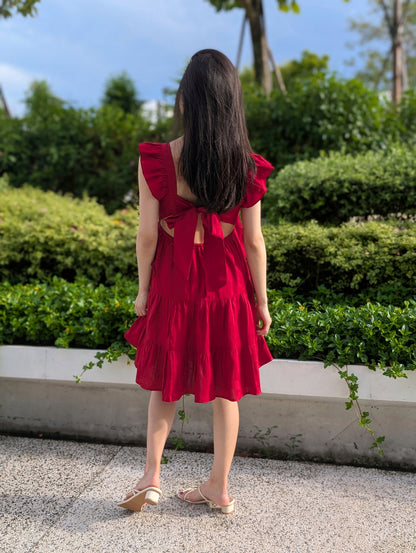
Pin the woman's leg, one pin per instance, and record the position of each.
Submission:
(226, 421)
(159, 423)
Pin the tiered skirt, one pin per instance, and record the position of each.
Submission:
(199, 342)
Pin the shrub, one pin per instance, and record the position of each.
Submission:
(45, 234)
(80, 314)
(349, 258)
(403, 120)
(325, 113)
(386, 294)
(58, 147)
(336, 187)
(371, 334)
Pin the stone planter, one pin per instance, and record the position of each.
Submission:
(302, 404)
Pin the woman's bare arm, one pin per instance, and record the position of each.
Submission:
(257, 262)
(146, 241)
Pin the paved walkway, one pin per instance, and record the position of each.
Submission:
(60, 497)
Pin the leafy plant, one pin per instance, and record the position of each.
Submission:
(381, 337)
(81, 314)
(335, 187)
(292, 445)
(351, 258)
(177, 441)
(322, 113)
(45, 234)
(264, 437)
(363, 416)
(58, 147)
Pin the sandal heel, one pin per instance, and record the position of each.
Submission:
(152, 497)
(227, 509)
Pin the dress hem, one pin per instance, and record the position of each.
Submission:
(257, 393)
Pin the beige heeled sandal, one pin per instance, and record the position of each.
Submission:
(225, 509)
(141, 497)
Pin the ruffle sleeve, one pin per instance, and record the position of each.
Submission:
(256, 188)
(152, 157)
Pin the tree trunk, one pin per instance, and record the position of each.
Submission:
(240, 42)
(397, 51)
(405, 82)
(277, 72)
(255, 16)
(3, 102)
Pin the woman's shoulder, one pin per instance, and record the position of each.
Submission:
(153, 162)
(152, 148)
(256, 186)
(262, 163)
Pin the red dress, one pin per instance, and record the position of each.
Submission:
(198, 336)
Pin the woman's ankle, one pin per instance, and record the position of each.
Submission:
(218, 489)
(216, 493)
(152, 470)
(148, 480)
(219, 485)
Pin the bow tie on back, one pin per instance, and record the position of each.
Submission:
(184, 224)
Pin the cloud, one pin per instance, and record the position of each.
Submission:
(14, 82)
(77, 45)
(13, 76)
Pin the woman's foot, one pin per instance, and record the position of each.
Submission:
(147, 481)
(216, 495)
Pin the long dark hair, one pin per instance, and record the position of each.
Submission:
(215, 160)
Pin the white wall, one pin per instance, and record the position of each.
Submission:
(38, 394)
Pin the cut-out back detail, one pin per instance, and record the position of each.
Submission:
(227, 229)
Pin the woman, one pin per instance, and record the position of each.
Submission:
(202, 305)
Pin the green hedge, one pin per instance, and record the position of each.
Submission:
(45, 234)
(371, 334)
(336, 187)
(349, 258)
(81, 314)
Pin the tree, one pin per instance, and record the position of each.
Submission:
(309, 64)
(396, 27)
(24, 7)
(293, 70)
(254, 13)
(121, 91)
(40, 100)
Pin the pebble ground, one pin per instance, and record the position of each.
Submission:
(61, 496)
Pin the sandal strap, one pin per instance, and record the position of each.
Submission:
(204, 499)
(203, 496)
(135, 491)
(190, 490)
(212, 504)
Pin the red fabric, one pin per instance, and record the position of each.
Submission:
(256, 188)
(199, 335)
(185, 224)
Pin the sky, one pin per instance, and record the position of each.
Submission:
(76, 45)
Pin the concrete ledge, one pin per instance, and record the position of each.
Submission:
(304, 401)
